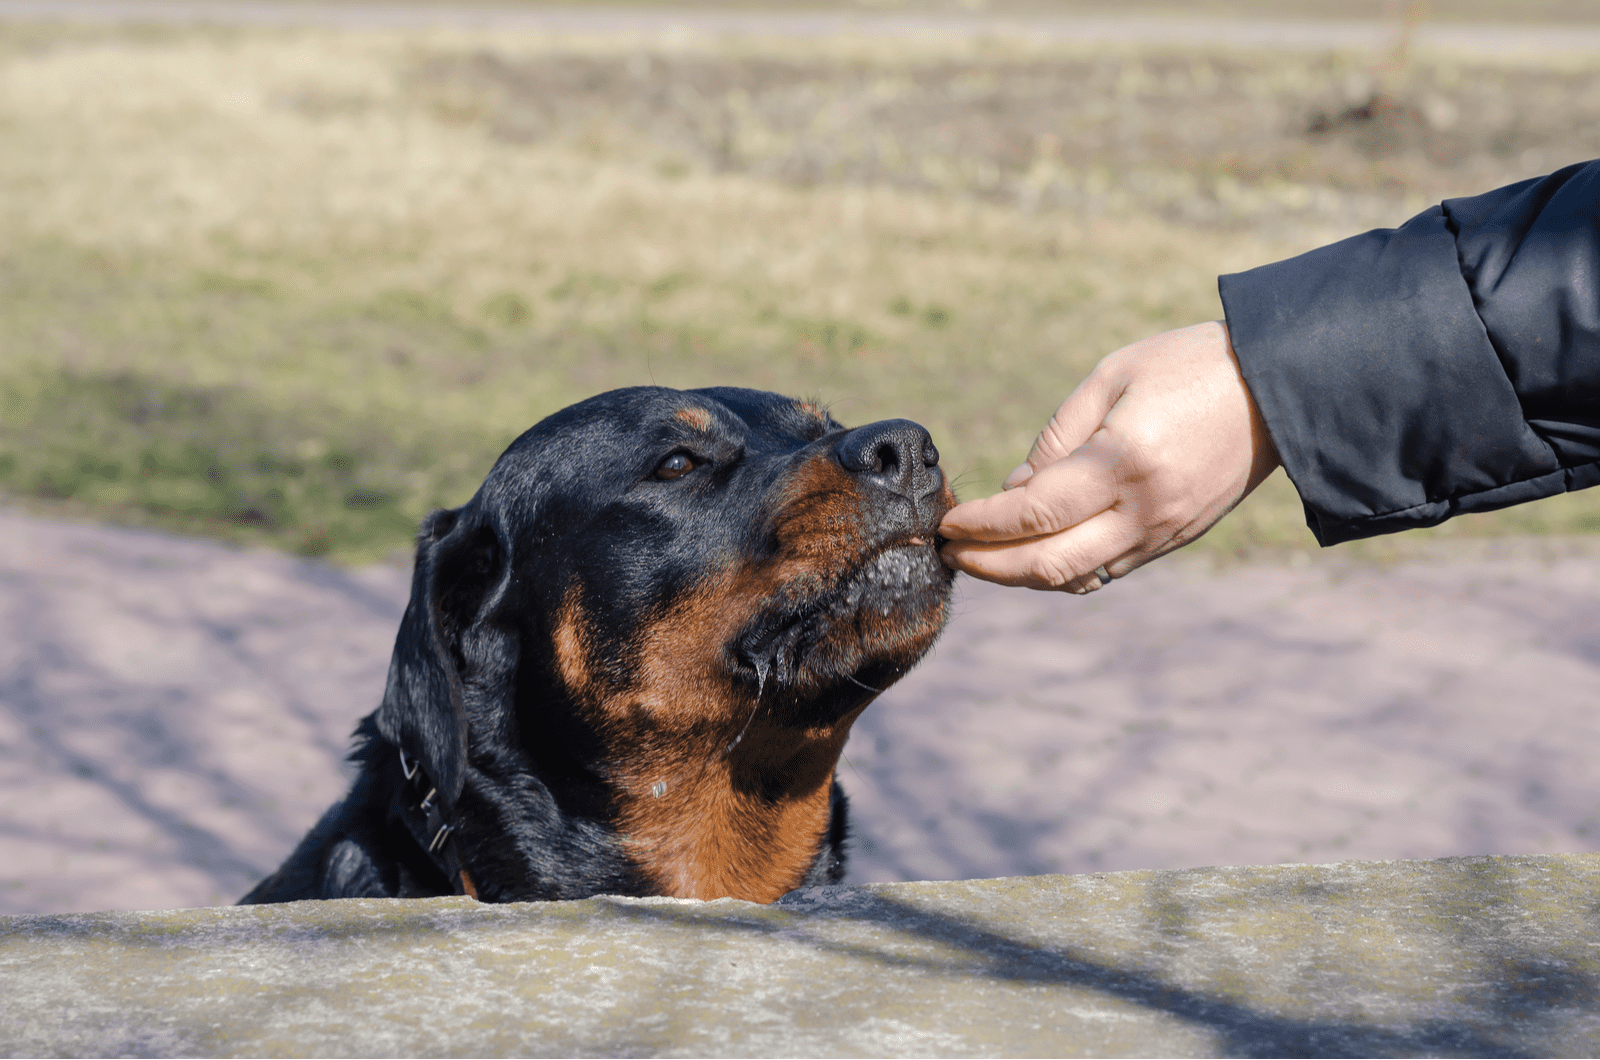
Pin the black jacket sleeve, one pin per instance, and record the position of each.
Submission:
(1448, 365)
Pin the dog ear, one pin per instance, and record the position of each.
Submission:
(422, 712)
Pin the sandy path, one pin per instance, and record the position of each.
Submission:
(173, 715)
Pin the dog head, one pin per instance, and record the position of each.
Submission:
(669, 607)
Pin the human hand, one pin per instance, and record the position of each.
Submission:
(1158, 443)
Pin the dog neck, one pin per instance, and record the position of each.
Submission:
(710, 796)
(747, 823)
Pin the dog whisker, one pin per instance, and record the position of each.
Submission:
(868, 687)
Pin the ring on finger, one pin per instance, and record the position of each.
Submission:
(1103, 574)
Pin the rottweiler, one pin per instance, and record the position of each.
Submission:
(630, 662)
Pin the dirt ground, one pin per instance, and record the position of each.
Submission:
(173, 714)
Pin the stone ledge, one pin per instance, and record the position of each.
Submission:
(1464, 956)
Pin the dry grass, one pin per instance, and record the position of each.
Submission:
(300, 286)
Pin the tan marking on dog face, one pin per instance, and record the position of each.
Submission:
(697, 418)
(571, 649)
(813, 410)
(820, 512)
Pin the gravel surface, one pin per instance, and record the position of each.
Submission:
(174, 714)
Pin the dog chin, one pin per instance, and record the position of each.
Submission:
(831, 653)
(901, 576)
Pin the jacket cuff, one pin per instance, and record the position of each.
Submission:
(1387, 402)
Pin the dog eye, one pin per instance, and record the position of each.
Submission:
(675, 466)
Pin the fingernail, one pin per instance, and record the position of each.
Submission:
(1019, 474)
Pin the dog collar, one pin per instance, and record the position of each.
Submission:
(430, 828)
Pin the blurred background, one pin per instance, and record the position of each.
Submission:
(290, 275)
(297, 285)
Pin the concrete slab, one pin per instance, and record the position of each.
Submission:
(1462, 957)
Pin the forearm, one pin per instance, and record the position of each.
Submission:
(1398, 371)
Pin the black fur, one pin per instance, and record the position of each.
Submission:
(473, 691)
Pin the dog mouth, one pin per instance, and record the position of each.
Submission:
(863, 628)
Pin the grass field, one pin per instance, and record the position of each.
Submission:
(299, 287)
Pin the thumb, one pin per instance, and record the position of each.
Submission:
(1072, 425)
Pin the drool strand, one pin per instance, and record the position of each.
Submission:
(761, 685)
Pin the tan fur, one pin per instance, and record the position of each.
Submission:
(813, 410)
(745, 824)
(572, 654)
(697, 418)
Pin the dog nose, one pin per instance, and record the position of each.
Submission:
(895, 454)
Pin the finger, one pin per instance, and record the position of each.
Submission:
(1058, 561)
(1055, 497)
(1116, 569)
(1073, 424)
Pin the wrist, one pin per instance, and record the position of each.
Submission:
(1264, 458)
